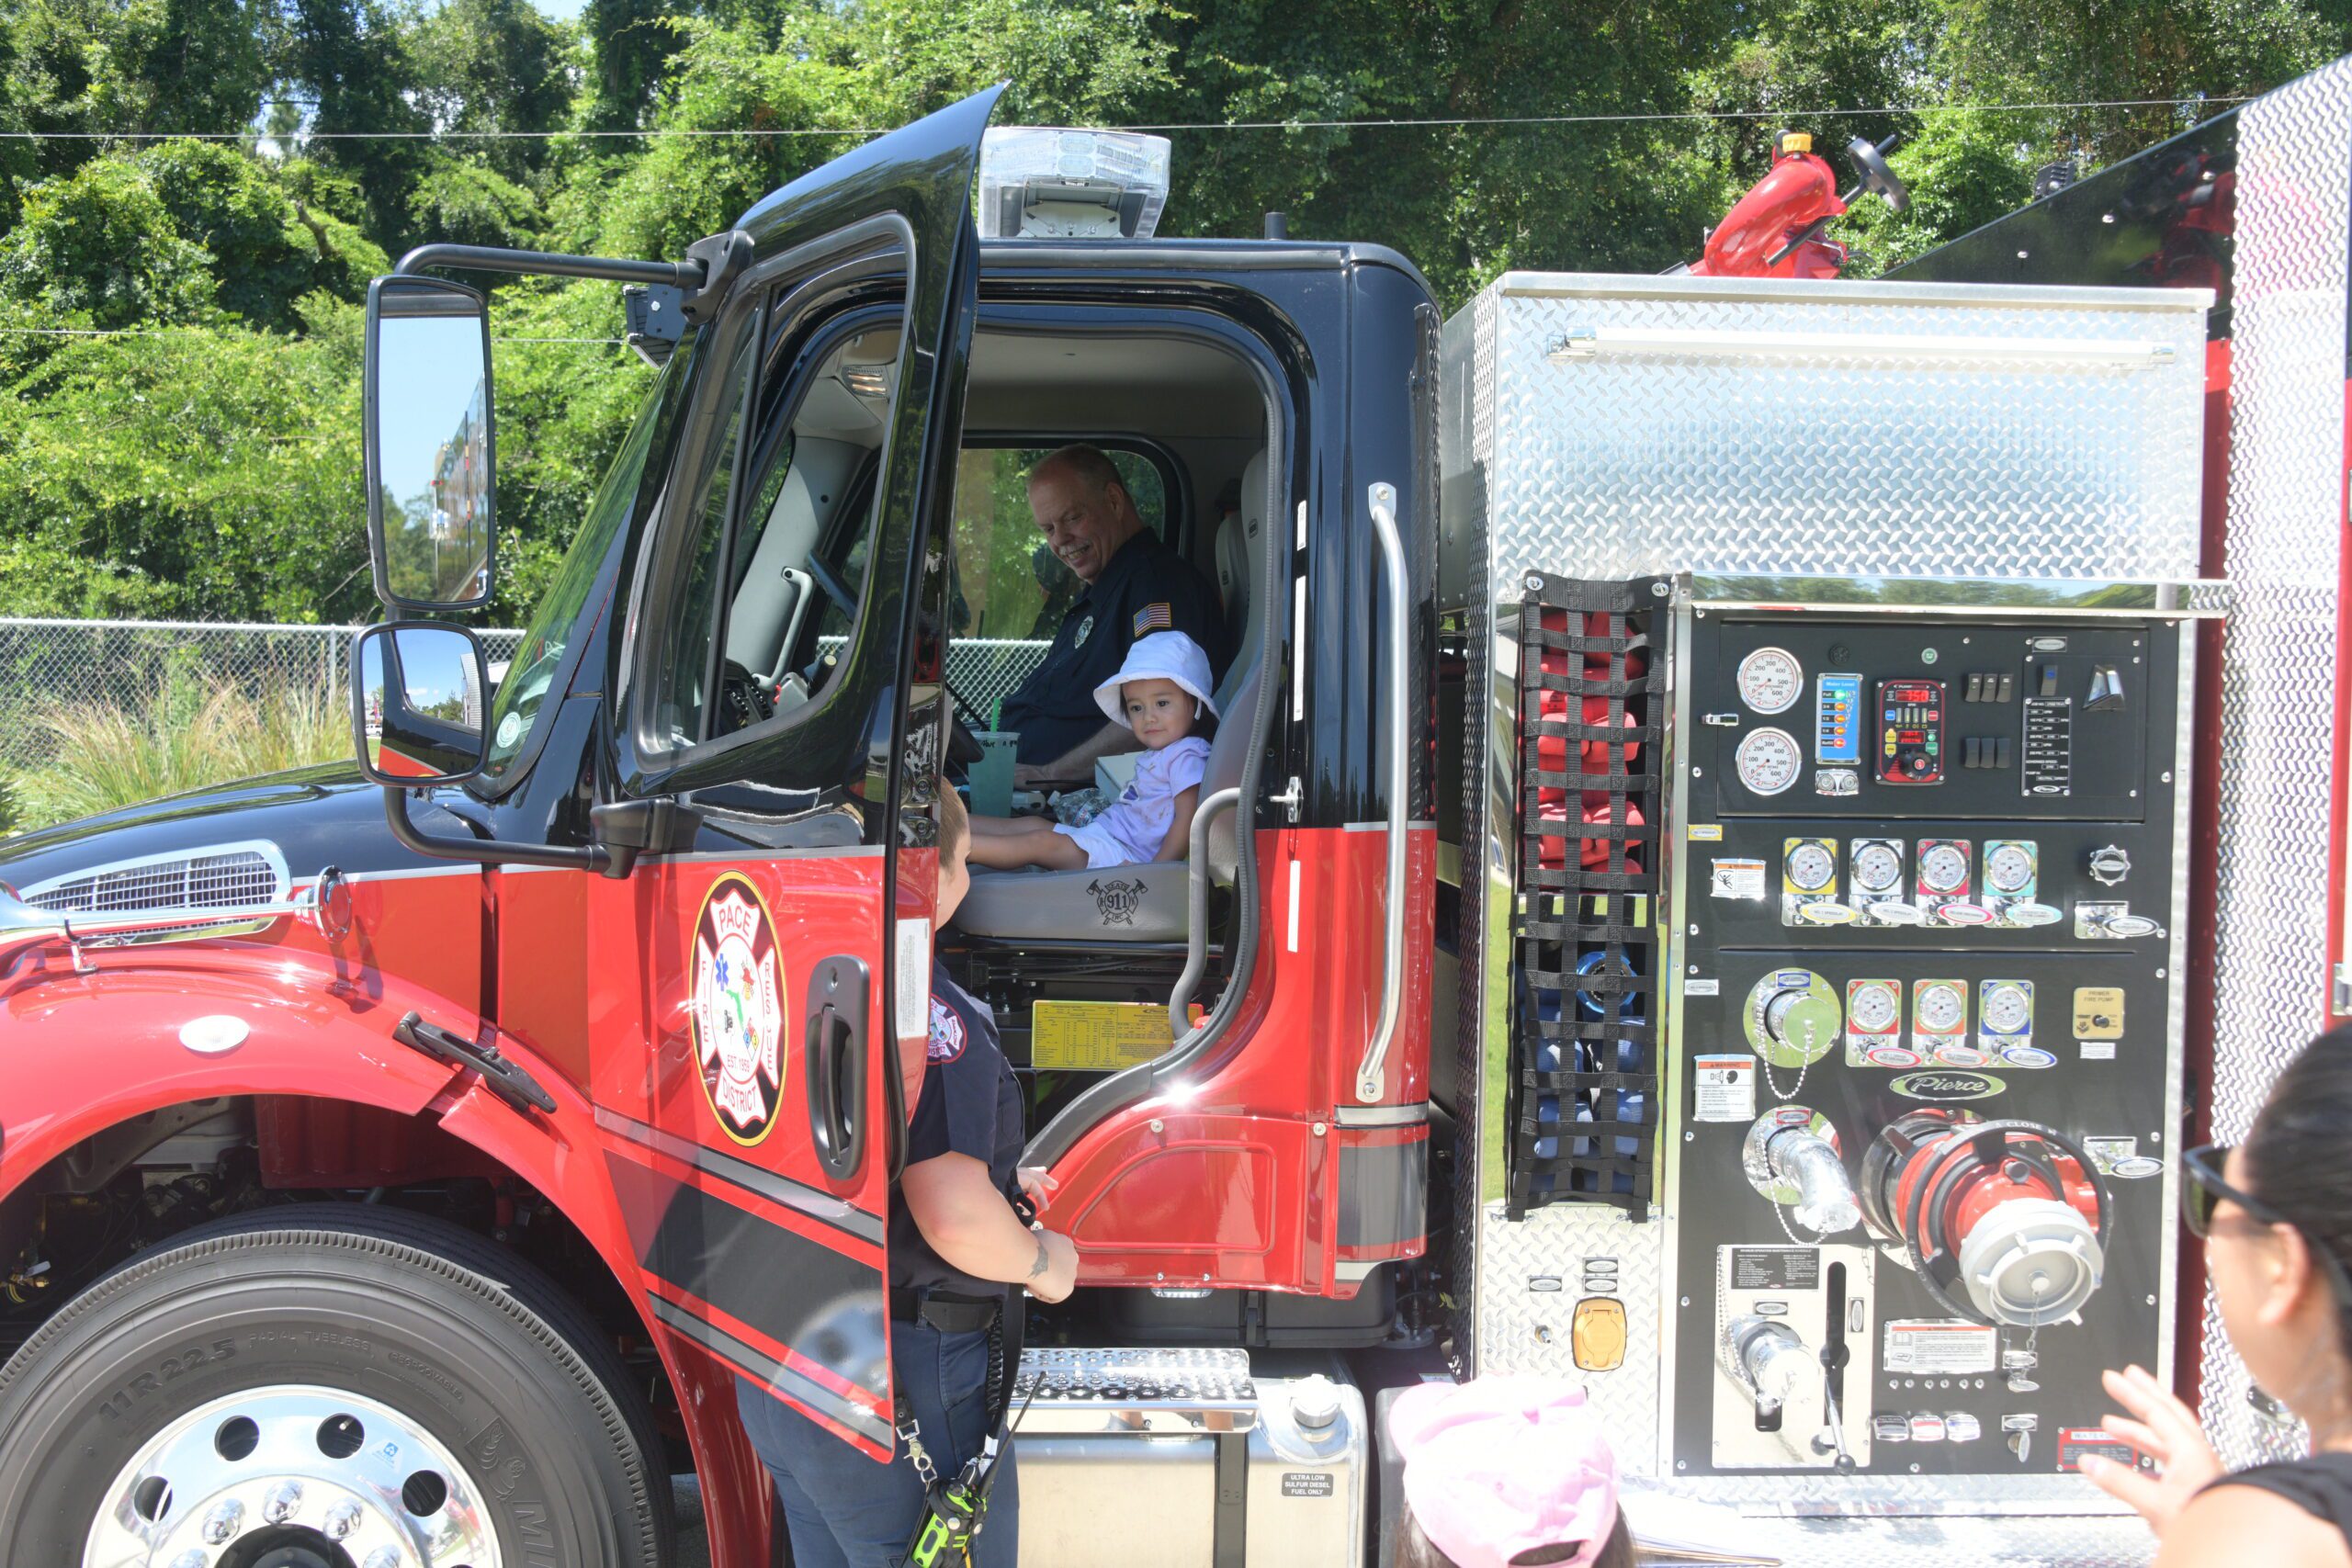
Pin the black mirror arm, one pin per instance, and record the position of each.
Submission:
(703, 277)
(685, 275)
(587, 857)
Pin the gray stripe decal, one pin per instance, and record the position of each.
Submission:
(779, 1378)
(797, 1196)
(1380, 1194)
(412, 873)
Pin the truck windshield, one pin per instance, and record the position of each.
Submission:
(515, 710)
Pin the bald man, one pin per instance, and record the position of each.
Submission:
(1135, 585)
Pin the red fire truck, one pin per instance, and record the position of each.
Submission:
(1702, 886)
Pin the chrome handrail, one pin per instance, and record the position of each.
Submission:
(1196, 927)
(1383, 502)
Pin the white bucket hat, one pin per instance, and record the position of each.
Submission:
(1161, 655)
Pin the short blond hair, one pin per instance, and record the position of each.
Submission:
(954, 827)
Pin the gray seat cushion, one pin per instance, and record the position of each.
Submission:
(1125, 903)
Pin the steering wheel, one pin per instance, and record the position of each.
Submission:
(1870, 159)
(744, 699)
(963, 750)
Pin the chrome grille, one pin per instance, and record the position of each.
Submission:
(228, 877)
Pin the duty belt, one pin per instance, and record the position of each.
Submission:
(945, 1310)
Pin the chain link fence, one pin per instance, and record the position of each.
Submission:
(50, 665)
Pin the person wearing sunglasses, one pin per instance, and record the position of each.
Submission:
(2276, 1214)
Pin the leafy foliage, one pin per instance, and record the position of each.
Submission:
(210, 467)
(190, 735)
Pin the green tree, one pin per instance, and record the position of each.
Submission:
(351, 61)
(98, 249)
(466, 203)
(135, 67)
(494, 65)
(172, 232)
(205, 472)
(631, 43)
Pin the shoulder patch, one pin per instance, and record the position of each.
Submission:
(948, 1037)
(1156, 617)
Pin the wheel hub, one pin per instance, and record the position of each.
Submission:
(293, 1476)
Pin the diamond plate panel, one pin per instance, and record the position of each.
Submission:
(1531, 1275)
(1992, 1543)
(2278, 673)
(1835, 462)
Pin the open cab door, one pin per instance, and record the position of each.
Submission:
(757, 979)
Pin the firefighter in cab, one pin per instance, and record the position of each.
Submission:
(961, 1252)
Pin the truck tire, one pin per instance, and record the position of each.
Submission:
(328, 1385)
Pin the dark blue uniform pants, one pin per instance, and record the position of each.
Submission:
(846, 1511)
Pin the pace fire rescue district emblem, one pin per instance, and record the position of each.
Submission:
(737, 1008)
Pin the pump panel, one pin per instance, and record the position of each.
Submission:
(1924, 887)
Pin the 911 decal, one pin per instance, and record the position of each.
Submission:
(738, 1008)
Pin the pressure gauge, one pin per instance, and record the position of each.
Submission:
(1811, 866)
(1944, 868)
(1878, 866)
(1768, 761)
(1871, 1008)
(1770, 681)
(1941, 1009)
(2009, 868)
(2007, 1009)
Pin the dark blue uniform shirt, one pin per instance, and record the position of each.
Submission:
(1147, 587)
(970, 1104)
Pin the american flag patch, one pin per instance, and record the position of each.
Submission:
(1154, 618)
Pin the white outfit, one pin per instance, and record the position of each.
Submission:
(1136, 824)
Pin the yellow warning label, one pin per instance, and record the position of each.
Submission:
(1097, 1037)
(2099, 1012)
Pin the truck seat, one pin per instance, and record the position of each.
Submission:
(1148, 903)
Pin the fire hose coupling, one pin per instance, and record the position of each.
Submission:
(1824, 1196)
(2006, 1223)
(1791, 1157)
(1769, 1358)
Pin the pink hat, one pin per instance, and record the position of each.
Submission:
(1504, 1464)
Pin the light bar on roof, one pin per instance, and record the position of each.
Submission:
(1053, 183)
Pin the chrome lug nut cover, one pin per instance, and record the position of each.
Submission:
(337, 1468)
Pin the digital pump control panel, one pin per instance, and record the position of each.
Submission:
(1911, 732)
(1921, 1034)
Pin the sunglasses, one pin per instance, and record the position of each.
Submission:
(2207, 1190)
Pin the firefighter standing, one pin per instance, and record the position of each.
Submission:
(956, 1246)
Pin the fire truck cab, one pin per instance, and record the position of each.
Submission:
(627, 969)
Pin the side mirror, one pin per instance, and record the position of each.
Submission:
(417, 703)
(431, 455)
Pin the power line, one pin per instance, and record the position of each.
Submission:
(1458, 122)
(205, 332)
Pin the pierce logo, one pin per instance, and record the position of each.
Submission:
(1943, 1088)
(737, 1009)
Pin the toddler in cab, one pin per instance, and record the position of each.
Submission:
(1162, 693)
